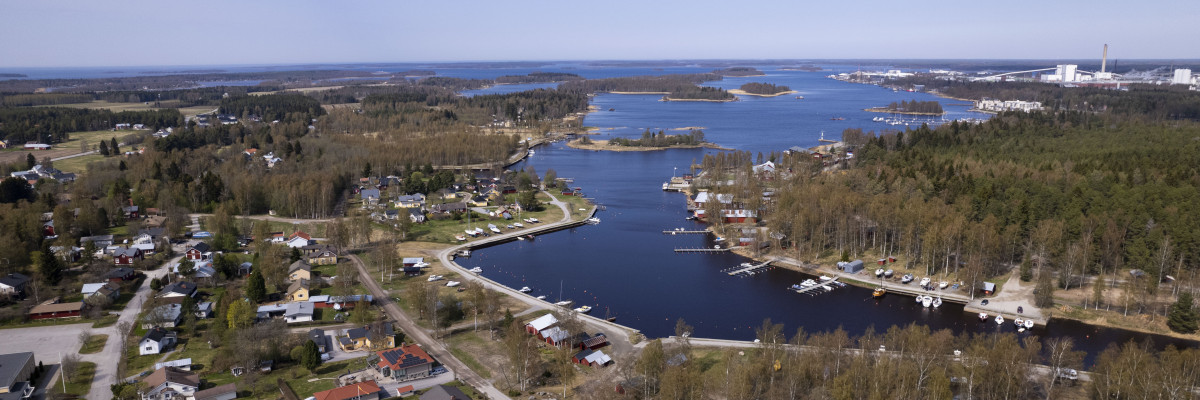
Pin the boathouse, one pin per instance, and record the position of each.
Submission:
(989, 288)
(540, 324)
(853, 267)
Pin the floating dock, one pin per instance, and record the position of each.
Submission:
(815, 287)
(702, 250)
(748, 270)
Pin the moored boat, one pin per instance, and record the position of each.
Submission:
(542, 297)
(937, 302)
(983, 316)
(564, 303)
(476, 270)
(1029, 323)
(927, 301)
(525, 289)
(583, 309)
(999, 320)
(879, 292)
(888, 273)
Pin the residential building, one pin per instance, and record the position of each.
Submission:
(126, 255)
(156, 341)
(449, 207)
(166, 316)
(298, 291)
(540, 324)
(595, 358)
(13, 284)
(403, 363)
(224, 392)
(170, 384)
(16, 369)
(198, 251)
(301, 311)
(299, 270)
(57, 310)
(99, 241)
(204, 310)
(356, 391)
(299, 239)
(320, 254)
(106, 289)
(443, 392)
(179, 289)
(416, 215)
(120, 274)
(411, 201)
(361, 338)
(370, 197)
(318, 337)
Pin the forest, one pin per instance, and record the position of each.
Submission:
(53, 124)
(738, 71)
(661, 139)
(764, 88)
(677, 86)
(916, 106)
(539, 77)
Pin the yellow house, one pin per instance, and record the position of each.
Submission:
(478, 201)
(298, 291)
(299, 270)
(360, 338)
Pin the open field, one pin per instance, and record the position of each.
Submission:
(118, 107)
(77, 165)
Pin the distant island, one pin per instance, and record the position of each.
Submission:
(762, 90)
(538, 77)
(674, 87)
(12, 75)
(806, 68)
(739, 71)
(914, 107)
(649, 141)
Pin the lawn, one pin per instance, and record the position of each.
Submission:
(445, 230)
(323, 378)
(81, 383)
(79, 164)
(466, 356)
(94, 344)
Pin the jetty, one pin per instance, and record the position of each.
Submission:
(702, 250)
(747, 269)
(815, 287)
(684, 232)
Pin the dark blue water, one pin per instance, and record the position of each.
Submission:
(626, 266)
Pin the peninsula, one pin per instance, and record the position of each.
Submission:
(914, 107)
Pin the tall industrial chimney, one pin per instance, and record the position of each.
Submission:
(1104, 59)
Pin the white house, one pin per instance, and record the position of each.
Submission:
(171, 383)
(155, 341)
(166, 316)
(300, 311)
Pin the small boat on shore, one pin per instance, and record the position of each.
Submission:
(983, 316)
(525, 289)
(925, 282)
(434, 278)
(493, 228)
(879, 272)
(528, 221)
(888, 274)
(906, 278)
(460, 238)
(511, 227)
(583, 309)
(943, 284)
(533, 220)
(453, 283)
(476, 270)
(879, 292)
(518, 224)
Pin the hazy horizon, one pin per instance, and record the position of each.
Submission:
(76, 33)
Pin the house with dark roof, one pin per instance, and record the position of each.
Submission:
(156, 341)
(106, 289)
(13, 284)
(416, 215)
(57, 310)
(298, 290)
(404, 363)
(16, 369)
(357, 391)
(120, 274)
(166, 316)
(318, 337)
(300, 311)
(170, 383)
(126, 255)
(99, 241)
(198, 251)
(443, 392)
(449, 207)
(360, 338)
(299, 270)
(319, 254)
(178, 289)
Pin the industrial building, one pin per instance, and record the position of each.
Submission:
(1183, 76)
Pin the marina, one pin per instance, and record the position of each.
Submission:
(748, 269)
(703, 250)
(682, 231)
(825, 284)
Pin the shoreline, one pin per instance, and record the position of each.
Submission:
(745, 93)
(602, 145)
(639, 92)
(668, 98)
(885, 110)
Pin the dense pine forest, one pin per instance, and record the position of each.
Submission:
(661, 139)
(915, 106)
(764, 88)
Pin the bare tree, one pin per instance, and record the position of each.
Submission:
(1061, 356)
(70, 365)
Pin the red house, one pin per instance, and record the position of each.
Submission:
(60, 310)
(48, 229)
(126, 255)
(540, 324)
(197, 251)
(594, 342)
(738, 216)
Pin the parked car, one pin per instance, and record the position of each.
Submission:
(438, 371)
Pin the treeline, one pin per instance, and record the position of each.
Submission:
(764, 88)
(661, 139)
(42, 99)
(539, 77)
(52, 124)
(173, 81)
(421, 106)
(910, 362)
(700, 93)
(274, 106)
(664, 83)
(916, 106)
(738, 71)
(455, 84)
(1151, 101)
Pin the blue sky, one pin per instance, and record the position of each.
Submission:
(90, 33)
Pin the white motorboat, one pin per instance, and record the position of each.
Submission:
(1021, 329)
(925, 282)
(533, 220)
(525, 290)
(824, 278)
(999, 320)
(927, 301)
(527, 221)
(564, 303)
(828, 288)
(542, 297)
(879, 272)
(583, 309)
(906, 278)
(511, 227)
(983, 316)
(460, 238)
(434, 278)
(888, 273)
(1029, 323)
(920, 297)
(493, 228)
(518, 224)
(808, 283)
(1019, 322)
(943, 284)
(476, 270)
(937, 302)
(453, 283)
(593, 220)
(464, 253)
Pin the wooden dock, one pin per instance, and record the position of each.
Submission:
(748, 270)
(683, 232)
(814, 287)
(702, 250)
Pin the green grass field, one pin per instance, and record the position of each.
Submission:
(79, 164)
(94, 344)
(81, 383)
(117, 107)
